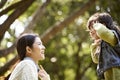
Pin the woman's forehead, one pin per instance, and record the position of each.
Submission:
(37, 39)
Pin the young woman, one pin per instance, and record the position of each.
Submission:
(105, 50)
(30, 50)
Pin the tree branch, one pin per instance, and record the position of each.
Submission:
(2, 3)
(59, 26)
(39, 12)
(13, 6)
(5, 52)
(37, 16)
(18, 11)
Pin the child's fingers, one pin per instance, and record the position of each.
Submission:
(41, 67)
(94, 22)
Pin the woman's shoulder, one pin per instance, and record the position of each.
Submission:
(26, 63)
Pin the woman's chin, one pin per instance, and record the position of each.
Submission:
(42, 58)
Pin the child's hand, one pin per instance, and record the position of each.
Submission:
(97, 42)
(43, 74)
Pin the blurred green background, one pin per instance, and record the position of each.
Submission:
(61, 25)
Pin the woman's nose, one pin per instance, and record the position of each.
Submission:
(43, 46)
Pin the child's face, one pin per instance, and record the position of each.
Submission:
(93, 33)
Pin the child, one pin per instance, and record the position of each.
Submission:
(106, 38)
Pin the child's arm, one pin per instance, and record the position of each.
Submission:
(105, 34)
(94, 56)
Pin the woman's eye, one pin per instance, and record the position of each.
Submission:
(39, 44)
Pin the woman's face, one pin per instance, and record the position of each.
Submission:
(38, 50)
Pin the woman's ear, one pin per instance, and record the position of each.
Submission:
(28, 50)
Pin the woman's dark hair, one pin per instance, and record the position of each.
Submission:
(105, 19)
(24, 41)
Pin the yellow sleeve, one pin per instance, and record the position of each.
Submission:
(105, 34)
(93, 54)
